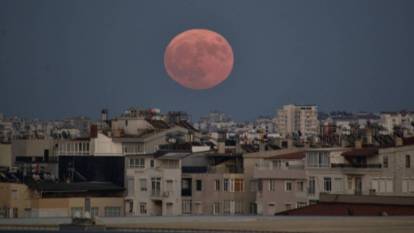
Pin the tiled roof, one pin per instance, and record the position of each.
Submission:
(357, 205)
(186, 125)
(347, 209)
(159, 124)
(365, 152)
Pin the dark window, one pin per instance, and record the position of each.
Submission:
(407, 161)
(186, 187)
(312, 185)
(385, 161)
(152, 163)
(199, 185)
(327, 184)
(46, 155)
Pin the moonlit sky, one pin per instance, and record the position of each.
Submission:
(68, 58)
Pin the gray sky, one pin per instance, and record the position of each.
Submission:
(65, 58)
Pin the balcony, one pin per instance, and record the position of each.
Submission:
(291, 173)
(357, 168)
(344, 165)
(158, 194)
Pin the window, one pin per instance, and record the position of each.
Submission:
(407, 161)
(199, 185)
(288, 206)
(143, 184)
(277, 163)
(112, 211)
(300, 204)
(216, 208)
(272, 185)
(226, 207)
(170, 164)
(382, 185)
(226, 185)
(143, 208)
(339, 185)
(408, 186)
(238, 207)
(94, 211)
(152, 163)
(132, 148)
(156, 186)
(238, 185)
(318, 159)
(300, 185)
(186, 207)
(385, 161)
(260, 185)
(349, 182)
(130, 206)
(217, 185)
(327, 184)
(136, 163)
(288, 186)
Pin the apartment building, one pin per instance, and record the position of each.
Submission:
(52, 199)
(293, 179)
(281, 182)
(300, 120)
(361, 171)
(214, 184)
(153, 184)
(390, 120)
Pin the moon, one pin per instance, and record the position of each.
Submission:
(198, 59)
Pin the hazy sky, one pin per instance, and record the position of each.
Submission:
(65, 58)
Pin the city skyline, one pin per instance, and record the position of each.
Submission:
(75, 58)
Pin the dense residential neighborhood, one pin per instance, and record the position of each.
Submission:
(145, 163)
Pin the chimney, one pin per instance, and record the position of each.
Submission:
(398, 141)
(93, 131)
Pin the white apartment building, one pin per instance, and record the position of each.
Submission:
(292, 119)
(389, 120)
(153, 185)
(288, 180)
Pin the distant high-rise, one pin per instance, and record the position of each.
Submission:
(297, 119)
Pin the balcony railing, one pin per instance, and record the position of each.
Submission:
(160, 194)
(344, 165)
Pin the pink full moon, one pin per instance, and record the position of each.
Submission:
(198, 59)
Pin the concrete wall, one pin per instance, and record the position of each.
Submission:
(14, 200)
